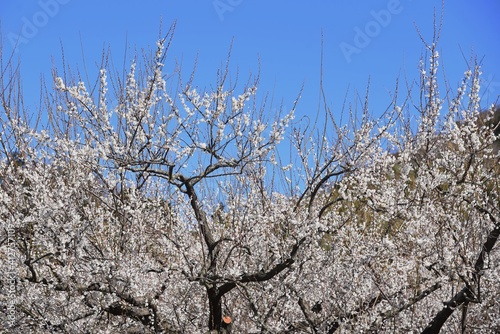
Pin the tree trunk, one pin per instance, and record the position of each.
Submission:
(215, 305)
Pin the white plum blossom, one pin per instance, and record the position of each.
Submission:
(139, 210)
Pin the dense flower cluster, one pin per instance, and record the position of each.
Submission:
(139, 211)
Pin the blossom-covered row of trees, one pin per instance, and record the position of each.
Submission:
(128, 208)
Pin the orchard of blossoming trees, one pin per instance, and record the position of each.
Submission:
(130, 208)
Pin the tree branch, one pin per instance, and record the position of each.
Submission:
(466, 294)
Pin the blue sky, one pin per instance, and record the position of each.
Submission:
(362, 39)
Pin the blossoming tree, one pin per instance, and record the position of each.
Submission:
(145, 211)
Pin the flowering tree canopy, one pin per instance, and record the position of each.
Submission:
(129, 208)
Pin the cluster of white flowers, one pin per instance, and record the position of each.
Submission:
(167, 212)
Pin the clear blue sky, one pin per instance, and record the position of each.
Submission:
(284, 35)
